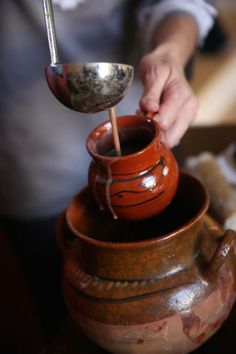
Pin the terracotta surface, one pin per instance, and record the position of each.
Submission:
(140, 183)
(70, 340)
(161, 285)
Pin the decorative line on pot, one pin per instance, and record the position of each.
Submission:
(141, 174)
(107, 191)
(161, 161)
(135, 296)
(113, 288)
(141, 203)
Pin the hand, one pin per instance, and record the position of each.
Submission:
(168, 94)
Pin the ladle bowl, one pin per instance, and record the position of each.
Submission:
(89, 87)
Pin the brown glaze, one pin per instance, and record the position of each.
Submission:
(140, 183)
(167, 290)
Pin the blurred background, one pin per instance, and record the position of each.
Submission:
(214, 82)
(214, 77)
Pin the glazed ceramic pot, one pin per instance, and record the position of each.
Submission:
(140, 183)
(162, 285)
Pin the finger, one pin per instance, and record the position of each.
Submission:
(174, 99)
(154, 81)
(173, 135)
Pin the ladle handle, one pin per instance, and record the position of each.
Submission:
(51, 31)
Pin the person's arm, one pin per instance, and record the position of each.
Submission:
(172, 30)
(166, 89)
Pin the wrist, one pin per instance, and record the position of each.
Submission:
(169, 52)
(176, 38)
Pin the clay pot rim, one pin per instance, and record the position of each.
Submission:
(142, 243)
(94, 154)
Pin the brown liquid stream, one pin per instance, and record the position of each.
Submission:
(112, 116)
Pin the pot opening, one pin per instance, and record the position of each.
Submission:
(135, 135)
(188, 205)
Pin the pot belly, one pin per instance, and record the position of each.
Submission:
(172, 330)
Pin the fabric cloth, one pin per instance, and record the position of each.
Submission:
(201, 11)
(218, 174)
(68, 4)
(43, 157)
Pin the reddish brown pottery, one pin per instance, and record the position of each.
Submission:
(140, 183)
(163, 285)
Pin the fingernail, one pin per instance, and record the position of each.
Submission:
(151, 105)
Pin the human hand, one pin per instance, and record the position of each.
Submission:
(168, 95)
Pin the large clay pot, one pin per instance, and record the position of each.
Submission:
(163, 285)
(140, 183)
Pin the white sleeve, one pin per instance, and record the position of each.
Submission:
(67, 4)
(150, 16)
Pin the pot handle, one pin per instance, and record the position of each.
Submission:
(65, 238)
(223, 252)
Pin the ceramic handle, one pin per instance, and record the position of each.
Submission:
(65, 238)
(222, 254)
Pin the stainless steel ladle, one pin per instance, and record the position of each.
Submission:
(88, 87)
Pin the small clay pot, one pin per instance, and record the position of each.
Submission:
(162, 285)
(140, 183)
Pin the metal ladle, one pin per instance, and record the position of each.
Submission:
(88, 87)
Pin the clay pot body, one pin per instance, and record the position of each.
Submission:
(161, 285)
(140, 183)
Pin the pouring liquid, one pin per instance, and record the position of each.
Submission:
(112, 115)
